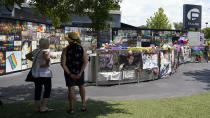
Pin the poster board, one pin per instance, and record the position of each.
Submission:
(129, 61)
(165, 67)
(186, 52)
(13, 61)
(174, 60)
(106, 62)
(194, 38)
(150, 60)
(198, 53)
(2, 62)
(109, 76)
(26, 48)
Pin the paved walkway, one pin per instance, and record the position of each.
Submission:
(190, 79)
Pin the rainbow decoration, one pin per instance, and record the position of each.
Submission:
(12, 61)
(7, 44)
(79, 33)
(39, 29)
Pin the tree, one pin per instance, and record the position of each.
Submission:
(159, 20)
(58, 11)
(178, 25)
(206, 32)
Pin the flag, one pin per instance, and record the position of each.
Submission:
(12, 61)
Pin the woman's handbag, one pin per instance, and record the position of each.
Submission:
(30, 77)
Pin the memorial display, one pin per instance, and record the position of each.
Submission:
(2, 62)
(87, 38)
(132, 55)
(125, 38)
(165, 66)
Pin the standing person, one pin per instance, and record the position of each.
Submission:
(1, 103)
(42, 74)
(74, 61)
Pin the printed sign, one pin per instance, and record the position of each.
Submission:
(194, 38)
(192, 15)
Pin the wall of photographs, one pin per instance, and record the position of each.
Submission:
(143, 38)
(125, 38)
(10, 46)
(86, 36)
(122, 66)
(17, 38)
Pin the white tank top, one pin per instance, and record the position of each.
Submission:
(36, 70)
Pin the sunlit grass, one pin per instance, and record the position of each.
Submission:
(197, 106)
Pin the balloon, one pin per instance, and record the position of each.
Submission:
(185, 41)
(155, 71)
(180, 41)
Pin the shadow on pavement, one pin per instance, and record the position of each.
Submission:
(95, 109)
(200, 75)
(26, 93)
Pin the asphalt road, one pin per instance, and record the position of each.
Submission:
(190, 79)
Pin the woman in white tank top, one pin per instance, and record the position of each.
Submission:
(42, 74)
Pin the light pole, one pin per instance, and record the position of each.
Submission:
(206, 24)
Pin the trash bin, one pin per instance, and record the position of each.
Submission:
(90, 71)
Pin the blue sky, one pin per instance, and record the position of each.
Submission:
(136, 12)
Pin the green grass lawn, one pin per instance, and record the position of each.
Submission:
(197, 106)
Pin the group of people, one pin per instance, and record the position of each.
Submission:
(73, 62)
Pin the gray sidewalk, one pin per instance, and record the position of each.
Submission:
(190, 79)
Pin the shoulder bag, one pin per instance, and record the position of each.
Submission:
(30, 77)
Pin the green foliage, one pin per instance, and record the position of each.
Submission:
(206, 32)
(178, 25)
(58, 11)
(159, 20)
(98, 11)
